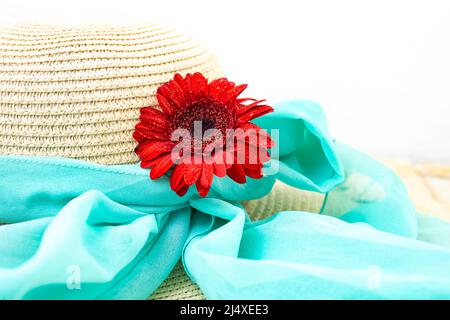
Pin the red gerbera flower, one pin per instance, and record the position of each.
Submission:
(187, 103)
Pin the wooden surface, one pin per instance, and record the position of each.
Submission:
(428, 185)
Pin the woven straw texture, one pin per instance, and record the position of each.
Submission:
(76, 91)
(428, 186)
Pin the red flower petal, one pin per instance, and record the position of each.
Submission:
(150, 163)
(237, 173)
(192, 173)
(158, 119)
(233, 93)
(250, 155)
(141, 146)
(218, 89)
(165, 105)
(229, 159)
(143, 133)
(177, 93)
(256, 135)
(153, 112)
(255, 174)
(252, 166)
(198, 85)
(205, 181)
(183, 85)
(163, 164)
(150, 136)
(244, 107)
(177, 183)
(242, 100)
(220, 169)
(172, 94)
(252, 111)
(220, 164)
(154, 149)
(146, 164)
(262, 155)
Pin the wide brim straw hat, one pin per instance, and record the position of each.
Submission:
(77, 91)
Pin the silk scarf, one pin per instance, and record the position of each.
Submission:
(76, 230)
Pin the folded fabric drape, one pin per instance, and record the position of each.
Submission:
(76, 230)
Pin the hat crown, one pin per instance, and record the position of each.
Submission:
(76, 91)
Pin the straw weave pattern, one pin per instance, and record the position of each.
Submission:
(76, 91)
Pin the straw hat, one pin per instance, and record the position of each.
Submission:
(76, 92)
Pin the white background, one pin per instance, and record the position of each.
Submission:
(380, 69)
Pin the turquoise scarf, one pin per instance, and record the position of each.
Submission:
(76, 230)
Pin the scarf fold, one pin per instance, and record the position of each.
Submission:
(76, 230)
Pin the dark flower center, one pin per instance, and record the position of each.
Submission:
(206, 124)
(201, 116)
